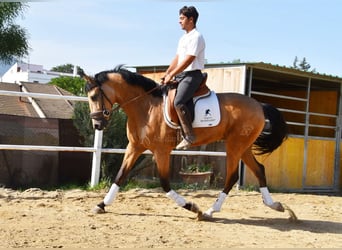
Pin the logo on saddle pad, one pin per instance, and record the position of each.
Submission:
(207, 112)
(207, 116)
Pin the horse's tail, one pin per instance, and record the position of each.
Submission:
(274, 132)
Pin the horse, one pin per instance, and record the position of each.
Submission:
(247, 127)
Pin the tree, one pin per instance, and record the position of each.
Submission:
(302, 65)
(294, 64)
(14, 39)
(74, 85)
(66, 68)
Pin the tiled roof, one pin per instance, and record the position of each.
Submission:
(21, 106)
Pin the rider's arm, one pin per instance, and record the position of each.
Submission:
(172, 66)
(176, 69)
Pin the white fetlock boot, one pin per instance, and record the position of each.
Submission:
(216, 206)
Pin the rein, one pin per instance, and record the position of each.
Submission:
(164, 88)
(107, 113)
(134, 99)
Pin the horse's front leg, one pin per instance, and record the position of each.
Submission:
(259, 171)
(131, 155)
(163, 164)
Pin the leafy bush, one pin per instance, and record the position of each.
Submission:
(114, 136)
(197, 168)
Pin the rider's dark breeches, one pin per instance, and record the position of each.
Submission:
(189, 82)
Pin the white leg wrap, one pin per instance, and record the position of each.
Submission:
(268, 201)
(176, 198)
(110, 196)
(217, 205)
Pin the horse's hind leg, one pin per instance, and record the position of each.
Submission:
(259, 171)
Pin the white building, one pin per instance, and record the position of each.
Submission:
(23, 72)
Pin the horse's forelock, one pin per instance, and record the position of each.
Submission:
(89, 86)
(90, 82)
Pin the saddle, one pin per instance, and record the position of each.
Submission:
(202, 91)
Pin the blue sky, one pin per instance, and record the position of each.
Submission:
(97, 35)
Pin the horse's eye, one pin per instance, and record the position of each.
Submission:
(94, 98)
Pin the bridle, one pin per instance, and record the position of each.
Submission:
(104, 113)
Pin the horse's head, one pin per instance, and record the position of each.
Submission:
(99, 104)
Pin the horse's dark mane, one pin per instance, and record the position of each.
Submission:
(131, 78)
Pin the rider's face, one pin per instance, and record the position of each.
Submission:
(186, 23)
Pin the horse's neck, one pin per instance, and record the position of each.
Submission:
(139, 111)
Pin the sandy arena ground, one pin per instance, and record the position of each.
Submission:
(146, 218)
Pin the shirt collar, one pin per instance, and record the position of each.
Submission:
(192, 31)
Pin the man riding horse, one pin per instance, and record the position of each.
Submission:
(186, 69)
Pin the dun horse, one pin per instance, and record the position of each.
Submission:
(242, 128)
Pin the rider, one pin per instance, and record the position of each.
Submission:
(186, 68)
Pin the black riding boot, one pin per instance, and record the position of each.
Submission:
(186, 124)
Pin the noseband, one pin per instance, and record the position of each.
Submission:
(104, 113)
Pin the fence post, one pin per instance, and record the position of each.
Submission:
(96, 164)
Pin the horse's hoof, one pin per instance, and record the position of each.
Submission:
(192, 207)
(195, 208)
(277, 206)
(200, 216)
(209, 213)
(203, 216)
(98, 210)
(293, 217)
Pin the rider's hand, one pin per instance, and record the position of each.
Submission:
(166, 79)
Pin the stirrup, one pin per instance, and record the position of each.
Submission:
(184, 144)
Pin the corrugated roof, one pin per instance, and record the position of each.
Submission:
(59, 109)
(262, 65)
(286, 69)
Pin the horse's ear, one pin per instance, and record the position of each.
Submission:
(81, 73)
(85, 77)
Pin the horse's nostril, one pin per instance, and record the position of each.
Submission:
(98, 126)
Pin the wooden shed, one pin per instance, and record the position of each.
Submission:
(309, 160)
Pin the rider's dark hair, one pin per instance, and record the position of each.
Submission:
(189, 12)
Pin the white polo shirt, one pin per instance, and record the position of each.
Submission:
(193, 44)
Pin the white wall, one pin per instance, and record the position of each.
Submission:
(23, 72)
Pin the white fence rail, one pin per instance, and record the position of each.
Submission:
(97, 149)
(44, 96)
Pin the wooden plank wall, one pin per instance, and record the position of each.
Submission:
(220, 80)
(320, 163)
(285, 166)
(223, 80)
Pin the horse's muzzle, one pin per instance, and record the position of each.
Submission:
(100, 124)
(99, 120)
